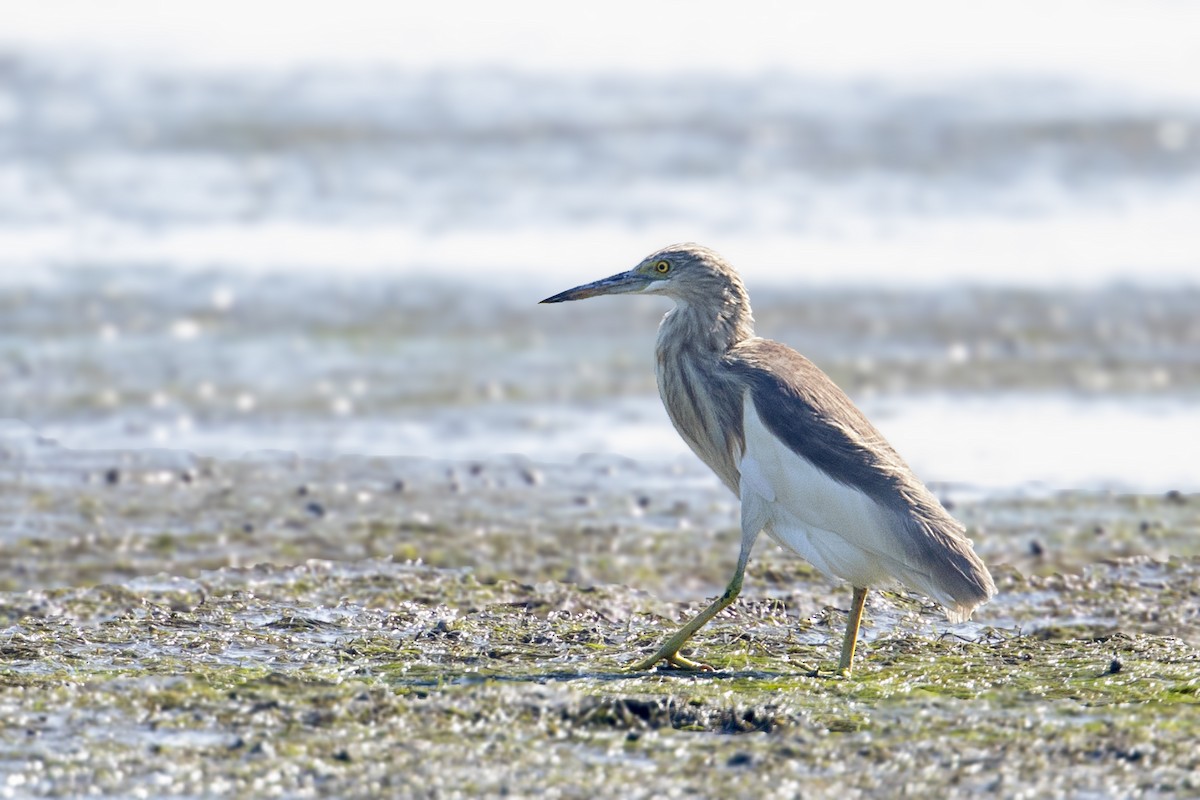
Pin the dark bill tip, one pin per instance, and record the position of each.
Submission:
(624, 283)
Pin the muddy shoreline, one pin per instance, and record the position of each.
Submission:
(444, 629)
(184, 615)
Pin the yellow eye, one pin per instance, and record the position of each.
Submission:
(662, 267)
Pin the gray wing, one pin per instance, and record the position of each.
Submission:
(804, 409)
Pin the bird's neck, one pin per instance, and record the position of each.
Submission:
(707, 330)
(702, 399)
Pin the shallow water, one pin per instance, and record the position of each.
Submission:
(492, 172)
(986, 389)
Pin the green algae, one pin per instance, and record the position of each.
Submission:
(469, 635)
(374, 677)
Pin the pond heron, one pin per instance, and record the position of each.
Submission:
(810, 470)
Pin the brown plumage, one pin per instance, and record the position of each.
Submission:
(811, 471)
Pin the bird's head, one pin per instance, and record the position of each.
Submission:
(688, 273)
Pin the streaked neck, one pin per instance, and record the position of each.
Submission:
(709, 330)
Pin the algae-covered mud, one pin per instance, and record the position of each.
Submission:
(379, 678)
(184, 626)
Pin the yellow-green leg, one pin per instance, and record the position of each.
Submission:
(669, 652)
(851, 638)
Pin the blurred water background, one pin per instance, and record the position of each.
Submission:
(323, 232)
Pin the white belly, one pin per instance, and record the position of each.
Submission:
(838, 529)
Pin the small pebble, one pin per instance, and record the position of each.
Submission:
(263, 748)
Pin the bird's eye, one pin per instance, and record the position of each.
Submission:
(662, 267)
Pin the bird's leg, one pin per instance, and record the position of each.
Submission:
(852, 623)
(669, 652)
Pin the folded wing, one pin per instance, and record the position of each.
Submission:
(826, 484)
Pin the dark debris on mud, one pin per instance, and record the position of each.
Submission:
(378, 677)
(172, 638)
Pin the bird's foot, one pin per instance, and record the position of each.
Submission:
(674, 661)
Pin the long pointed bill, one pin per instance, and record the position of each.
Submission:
(624, 283)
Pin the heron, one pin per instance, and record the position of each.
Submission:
(809, 468)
